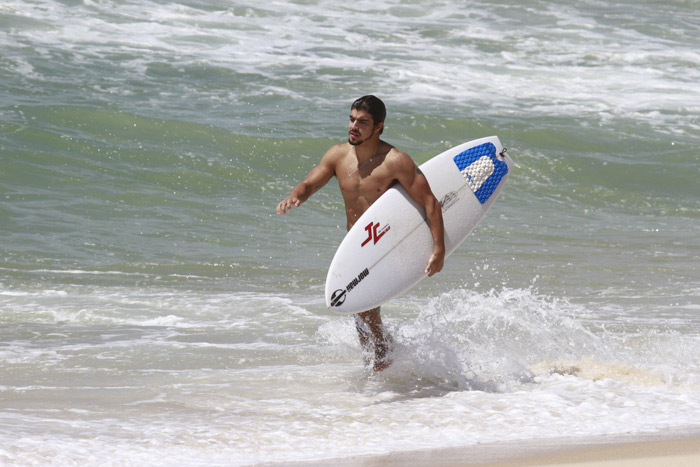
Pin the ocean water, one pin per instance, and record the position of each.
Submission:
(155, 311)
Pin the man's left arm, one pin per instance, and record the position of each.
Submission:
(415, 183)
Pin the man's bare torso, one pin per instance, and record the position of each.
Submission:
(362, 184)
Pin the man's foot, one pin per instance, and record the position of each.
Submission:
(382, 354)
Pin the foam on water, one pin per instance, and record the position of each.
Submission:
(595, 61)
(469, 368)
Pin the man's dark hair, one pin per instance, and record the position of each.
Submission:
(372, 105)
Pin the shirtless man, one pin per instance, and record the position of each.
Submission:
(366, 167)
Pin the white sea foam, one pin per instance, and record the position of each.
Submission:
(563, 61)
(271, 381)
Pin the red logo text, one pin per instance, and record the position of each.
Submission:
(374, 232)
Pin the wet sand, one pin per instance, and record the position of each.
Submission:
(677, 449)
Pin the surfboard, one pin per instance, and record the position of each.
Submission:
(385, 252)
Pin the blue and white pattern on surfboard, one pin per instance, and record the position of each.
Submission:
(481, 169)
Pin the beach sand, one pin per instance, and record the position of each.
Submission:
(667, 450)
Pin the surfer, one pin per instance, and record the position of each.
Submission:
(366, 167)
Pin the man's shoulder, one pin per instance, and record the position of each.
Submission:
(335, 154)
(338, 150)
(399, 158)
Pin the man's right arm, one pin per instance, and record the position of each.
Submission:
(316, 178)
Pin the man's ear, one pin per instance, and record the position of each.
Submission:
(380, 127)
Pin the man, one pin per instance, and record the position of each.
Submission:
(366, 167)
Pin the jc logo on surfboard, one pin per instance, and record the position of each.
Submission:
(373, 232)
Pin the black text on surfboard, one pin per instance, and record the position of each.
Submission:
(357, 280)
(339, 296)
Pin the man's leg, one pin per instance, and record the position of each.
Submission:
(364, 333)
(382, 342)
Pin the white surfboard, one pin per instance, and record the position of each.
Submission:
(386, 251)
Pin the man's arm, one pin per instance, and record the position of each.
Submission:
(415, 183)
(316, 178)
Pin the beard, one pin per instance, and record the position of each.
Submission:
(357, 142)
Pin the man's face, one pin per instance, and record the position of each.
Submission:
(361, 127)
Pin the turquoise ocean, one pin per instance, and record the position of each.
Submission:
(154, 310)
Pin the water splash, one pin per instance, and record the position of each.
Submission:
(466, 340)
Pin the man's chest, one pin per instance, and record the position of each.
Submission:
(369, 187)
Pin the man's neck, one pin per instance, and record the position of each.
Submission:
(367, 150)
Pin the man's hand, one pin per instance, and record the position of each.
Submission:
(435, 263)
(287, 204)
